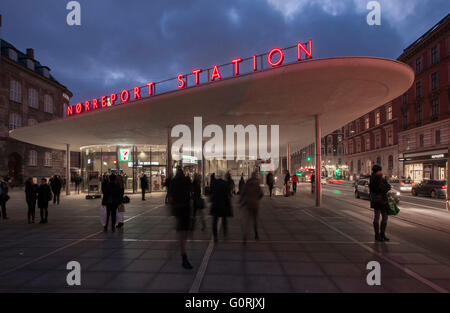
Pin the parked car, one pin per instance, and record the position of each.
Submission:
(431, 188)
(404, 185)
(362, 190)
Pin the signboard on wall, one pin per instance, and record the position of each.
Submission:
(124, 155)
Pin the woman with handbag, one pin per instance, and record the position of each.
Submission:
(379, 188)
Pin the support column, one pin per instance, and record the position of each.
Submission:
(67, 169)
(288, 158)
(317, 139)
(169, 154)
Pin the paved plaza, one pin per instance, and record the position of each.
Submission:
(301, 249)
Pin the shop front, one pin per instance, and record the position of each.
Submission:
(425, 165)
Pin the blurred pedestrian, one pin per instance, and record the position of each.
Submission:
(144, 185)
(249, 201)
(113, 195)
(179, 197)
(220, 203)
(77, 181)
(270, 182)
(56, 185)
(287, 178)
(44, 196)
(31, 191)
(230, 183)
(4, 197)
(121, 207)
(167, 185)
(294, 184)
(241, 184)
(379, 188)
(199, 202)
(313, 185)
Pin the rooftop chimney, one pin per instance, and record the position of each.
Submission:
(30, 53)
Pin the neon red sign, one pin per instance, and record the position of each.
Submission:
(274, 58)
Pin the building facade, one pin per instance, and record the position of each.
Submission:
(29, 95)
(424, 138)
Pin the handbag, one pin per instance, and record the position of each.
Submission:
(393, 208)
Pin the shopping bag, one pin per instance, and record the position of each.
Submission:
(119, 217)
(103, 215)
(393, 208)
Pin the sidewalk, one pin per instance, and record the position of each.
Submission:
(301, 249)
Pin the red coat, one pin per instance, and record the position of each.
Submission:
(294, 179)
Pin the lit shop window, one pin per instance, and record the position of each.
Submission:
(33, 98)
(15, 121)
(15, 92)
(48, 159)
(48, 104)
(32, 158)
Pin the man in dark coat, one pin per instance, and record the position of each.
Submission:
(179, 196)
(31, 190)
(44, 196)
(221, 203)
(379, 188)
(144, 185)
(270, 182)
(287, 178)
(56, 185)
(113, 196)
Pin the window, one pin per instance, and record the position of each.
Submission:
(33, 98)
(350, 147)
(32, 122)
(367, 122)
(390, 137)
(358, 126)
(389, 112)
(339, 138)
(391, 163)
(437, 137)
(377, 118)
(377, 141)
(367, 143)
(434, 81)
(405, 119)
(419, 89)
(419, 65)
(48, 159)
(378, 161)
(418, 113)
(358, 146)
(15, 121)
(434, 109)
(405, 98)
(13, 54)
(434, 55)
(329, 140)
(32, 158)
(15, 92)
(48, 104)
(421, 140)
(359, 166)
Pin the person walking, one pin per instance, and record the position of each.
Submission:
(77, 181)
(220, 203)
(199, 203)
(270, 182)
(180, 190)
(144, 185)
(379, 188)
(167, 185)
(287, 178)
(313, 186)
(56, 185)
(241, 184)
(294, 184)
(31, 191)
(249, 201)
(44, 196)
(4, 197)
(230, 183)
(114, 197)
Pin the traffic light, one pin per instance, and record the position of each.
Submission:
(308, 159)
(115, 161)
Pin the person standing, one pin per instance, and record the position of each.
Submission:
(114, 197)
(31, 191)
(4, 197)
(249, 200)
(144, 185)
(270, 182)
(167, 185)
(379, 188)
(77, 181)
(287, 178)
(199, 203)
(180, 190)
(230, 183)
(56, 185)
(44, 196)
(313, 186)
(220, 203)
(241, 184)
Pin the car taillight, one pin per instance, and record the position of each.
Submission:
(413, 184)
(443, 187)
(402, 184)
